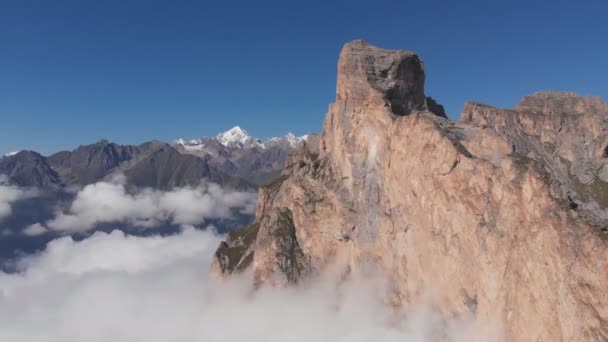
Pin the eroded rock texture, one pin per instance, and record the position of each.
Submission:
(500, 214)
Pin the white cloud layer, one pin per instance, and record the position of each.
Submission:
(34, 230)
(114, 287)
(10, 194)
(110, 202)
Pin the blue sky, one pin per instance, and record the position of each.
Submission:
(74, 72)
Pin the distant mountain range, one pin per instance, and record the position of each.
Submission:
(232, 158)
(238, 154)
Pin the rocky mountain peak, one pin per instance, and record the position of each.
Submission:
(237, 153)
(394, 77)
(374, 86)
(29, 168)
(558, 103)
(503, 214)
(102, 142)
(236, 136)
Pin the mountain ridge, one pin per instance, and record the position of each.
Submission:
(480, 211)
(238, 155)
(238, 137)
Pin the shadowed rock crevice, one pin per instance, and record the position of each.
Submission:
(276, 250)
(435, 107)
(290, 259)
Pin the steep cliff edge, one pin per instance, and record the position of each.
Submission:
(476, 210)
(564, 132)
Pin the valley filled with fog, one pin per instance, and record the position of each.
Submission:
(80, 282)
(119, 287)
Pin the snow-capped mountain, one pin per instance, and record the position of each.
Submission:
(289, 139)
(8, 154)
(237, 153)
(224, 158)
(237, 137)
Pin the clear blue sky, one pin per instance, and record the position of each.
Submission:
(73, 72)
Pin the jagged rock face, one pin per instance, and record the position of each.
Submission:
(30, 169)
(391, 78)
(166, 169)
(560, 103)
(438, 205)
(252, 163)
(89, 163)
(566, 133)
(396, 78)
(277, 247)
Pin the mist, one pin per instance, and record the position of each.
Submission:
(118, 287)
(10, 194)
(111, 202)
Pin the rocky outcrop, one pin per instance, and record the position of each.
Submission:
(564, 132)
(89, 163)
(476, 211)
(394, 78)
(29, 169)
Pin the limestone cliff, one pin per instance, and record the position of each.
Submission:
(500, 214)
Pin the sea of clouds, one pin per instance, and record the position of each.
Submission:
(116, 287)
(111, 202)
(120, 287)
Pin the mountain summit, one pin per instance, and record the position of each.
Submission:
(502, 215)
(236, 137)
(237, 153)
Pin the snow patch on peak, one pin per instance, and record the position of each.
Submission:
(289, 139)
(238, 137)
(235, 131)
(293, 140)
(234, 136)
(9, 154)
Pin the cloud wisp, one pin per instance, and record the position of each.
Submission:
(111, 202)
(10, 194)
(35, 230)
(117, 287)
